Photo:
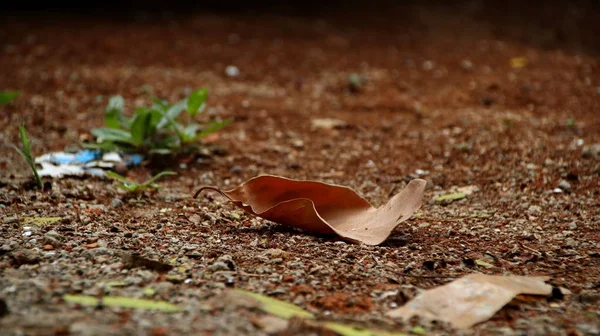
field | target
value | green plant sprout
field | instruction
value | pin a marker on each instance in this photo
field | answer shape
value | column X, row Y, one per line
column 26, row 154
column 134, row 187
column 154, row 129
column 355, row 82
column 8, row 96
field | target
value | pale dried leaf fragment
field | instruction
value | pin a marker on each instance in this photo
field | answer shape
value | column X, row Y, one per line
column 40, row 221
column 468, row 190
column 349, row 330
column 273, row 306
column 471, row 299
column 272, row 324
column 123, row 302
column 327, row 123
column 449, row 198
column 325, row 208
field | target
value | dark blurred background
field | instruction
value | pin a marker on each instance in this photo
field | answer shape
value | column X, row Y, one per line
column 291, row 7
column 571, row 24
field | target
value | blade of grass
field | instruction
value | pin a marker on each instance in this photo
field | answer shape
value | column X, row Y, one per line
column 196, row 101
column 113, row 117
column 118, row 177
column 8, row 96
column 213, row 127
column 123, row 302
column 140, row 128
column 277, row 307
column 156, row 177
column 174, row 125
column 113, row 135
column 26, row 153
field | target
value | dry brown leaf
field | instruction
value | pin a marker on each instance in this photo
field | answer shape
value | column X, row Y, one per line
column 324, row 208
column 471, row 299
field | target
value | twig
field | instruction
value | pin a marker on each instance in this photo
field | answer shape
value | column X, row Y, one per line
column 529, row 248
column 440, row 276
column 241, row 273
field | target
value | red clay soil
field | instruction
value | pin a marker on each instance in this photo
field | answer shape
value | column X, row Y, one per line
column 501, row 96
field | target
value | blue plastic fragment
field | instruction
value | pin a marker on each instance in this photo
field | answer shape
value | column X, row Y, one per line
column 87, row 155
column 60, row 158
column 86, row 161
column 132, row 159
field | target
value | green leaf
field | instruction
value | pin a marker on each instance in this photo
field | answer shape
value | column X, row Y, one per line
column 25, row 141
column 123, row 302
column 449, row 198
column 161, row 151
column 197, row 101
column 113, row 135
column 149, row 291
column 127, row 184
column 112, row 118
column 346, row 330
column 160, row 104
column 212, row 127
column 112, row 284
column 40, row 221
column 26, row 154
column 418, row 330
column 105, row 146
column 118, row 177
column 114, row 112
column 277, row 307
column 141, row 126
column 167, row 143
column 8, row 96
column 189, row 132
column 156, row 177
column 155, row 117
column 128, row 187
column 171, row 114
column 484, row 264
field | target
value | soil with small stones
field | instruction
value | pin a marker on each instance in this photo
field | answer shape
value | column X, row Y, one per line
column 501, row 96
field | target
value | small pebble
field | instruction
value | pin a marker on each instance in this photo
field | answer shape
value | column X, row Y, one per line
column 53, row 238
column 24, row 257
column 93, row 253
column 428, row 65
column 570, row 242
column 232, row 71
column 564, row 185
column 421, row 172
column 236, row 170
column 466, row 65
column 534, row 209
column 223, row 263
column 11, row 220
column 297, row 143
column 591, row 151
column 121, row 168
column 218, row 266
column 116, row 203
